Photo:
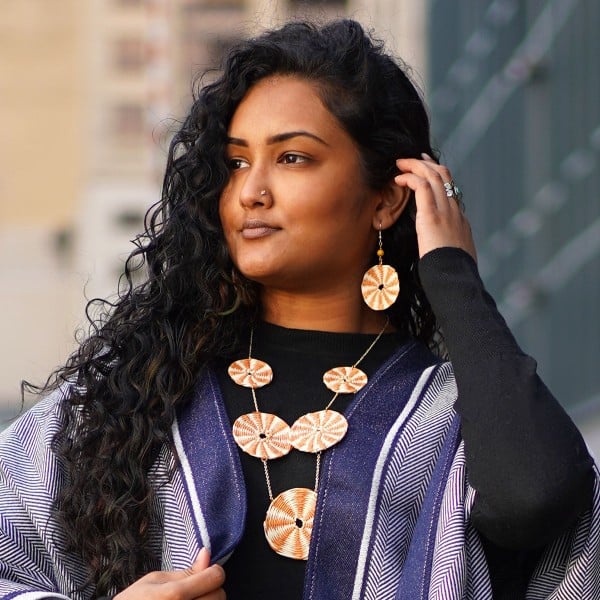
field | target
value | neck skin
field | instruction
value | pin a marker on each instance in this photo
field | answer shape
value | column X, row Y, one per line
column 341, row 311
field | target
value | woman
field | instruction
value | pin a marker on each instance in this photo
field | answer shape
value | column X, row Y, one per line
column 194, row 418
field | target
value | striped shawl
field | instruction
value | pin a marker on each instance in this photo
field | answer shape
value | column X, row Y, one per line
column 393, row 510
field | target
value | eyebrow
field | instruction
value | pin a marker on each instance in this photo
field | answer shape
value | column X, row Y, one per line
column 280, row 137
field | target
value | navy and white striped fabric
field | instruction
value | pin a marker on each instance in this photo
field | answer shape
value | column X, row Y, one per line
column 392, row 519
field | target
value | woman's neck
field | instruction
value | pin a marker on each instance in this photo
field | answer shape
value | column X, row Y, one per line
column 342, row 312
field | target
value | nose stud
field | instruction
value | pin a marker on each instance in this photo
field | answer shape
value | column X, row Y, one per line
column 263, row 192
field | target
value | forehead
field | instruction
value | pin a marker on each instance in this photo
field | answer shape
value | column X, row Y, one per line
column 280, row 103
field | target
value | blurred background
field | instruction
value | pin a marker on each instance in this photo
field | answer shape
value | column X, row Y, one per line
column 91, row 90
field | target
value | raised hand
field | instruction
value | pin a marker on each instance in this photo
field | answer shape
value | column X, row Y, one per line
column 440, row 220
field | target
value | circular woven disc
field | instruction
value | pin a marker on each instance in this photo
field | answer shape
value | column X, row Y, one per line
column 317, row 431
column 345, row 380
column 262, row 435
column 380, row 287
column 250, row 372
column 289, row 521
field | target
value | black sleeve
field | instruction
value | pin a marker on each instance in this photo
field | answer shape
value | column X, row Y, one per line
column 525, row 458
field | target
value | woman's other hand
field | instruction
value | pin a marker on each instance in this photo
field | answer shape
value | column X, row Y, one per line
column 199, row 581
column 440, row 221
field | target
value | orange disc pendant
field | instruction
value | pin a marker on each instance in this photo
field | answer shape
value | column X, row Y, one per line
column 345, row 380
column 262, row 435
column 289, row 521
column 317, row 431
column 250, row 372
column 380, row 287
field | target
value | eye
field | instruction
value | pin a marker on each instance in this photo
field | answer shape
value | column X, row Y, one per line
column 293, row 159
column 236, row 163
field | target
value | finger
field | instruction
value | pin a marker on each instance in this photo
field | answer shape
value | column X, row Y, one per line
column 453, row 196
column 428, row 167
column 441, row 170
column 202, row 560
column 202, row 583
column 216, row 595
column 432, row 173
column 425, row 197
column 425, row 167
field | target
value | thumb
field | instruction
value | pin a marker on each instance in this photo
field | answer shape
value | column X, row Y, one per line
column 202, row 561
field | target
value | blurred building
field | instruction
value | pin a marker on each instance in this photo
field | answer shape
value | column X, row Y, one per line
column 90, row 93
column 41, row 177
column 515, row 100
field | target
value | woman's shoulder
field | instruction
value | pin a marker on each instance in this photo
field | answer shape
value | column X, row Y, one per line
column 40, row 422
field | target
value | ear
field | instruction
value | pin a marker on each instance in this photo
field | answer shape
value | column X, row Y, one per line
column 390, row 203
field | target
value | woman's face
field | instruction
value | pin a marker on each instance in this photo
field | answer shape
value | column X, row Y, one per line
column 296, row 212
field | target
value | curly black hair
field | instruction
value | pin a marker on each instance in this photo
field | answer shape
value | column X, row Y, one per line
column 143, row 355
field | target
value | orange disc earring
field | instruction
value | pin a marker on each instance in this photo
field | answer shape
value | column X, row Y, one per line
column 380, row 285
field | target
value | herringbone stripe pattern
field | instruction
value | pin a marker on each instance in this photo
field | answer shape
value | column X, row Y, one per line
column 33, row 565
column 569, row 569
column 409, row 461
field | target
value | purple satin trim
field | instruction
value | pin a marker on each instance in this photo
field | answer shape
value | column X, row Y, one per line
column 216, row 469
column 347, row 472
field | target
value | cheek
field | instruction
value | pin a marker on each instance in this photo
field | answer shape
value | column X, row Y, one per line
column 225, row 209
column 228, row 221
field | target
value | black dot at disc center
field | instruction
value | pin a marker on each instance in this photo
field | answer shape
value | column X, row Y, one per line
column 299, row 523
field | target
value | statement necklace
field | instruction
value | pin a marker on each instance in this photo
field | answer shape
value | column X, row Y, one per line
column 289, row 518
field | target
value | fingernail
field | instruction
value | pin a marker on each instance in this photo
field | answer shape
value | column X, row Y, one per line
column 426, row 156
column 203, row 552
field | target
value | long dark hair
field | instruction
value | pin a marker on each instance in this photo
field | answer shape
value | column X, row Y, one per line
column 144, row 354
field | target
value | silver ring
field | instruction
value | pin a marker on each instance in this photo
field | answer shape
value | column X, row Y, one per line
column 453, row 191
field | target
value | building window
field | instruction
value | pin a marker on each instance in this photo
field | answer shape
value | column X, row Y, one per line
column 128, row 120
column 129, row 54
column 130, row 3
column 297, row 4
column 130, row 219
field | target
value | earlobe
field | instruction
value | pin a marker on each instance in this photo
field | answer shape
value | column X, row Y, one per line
column 392, row 201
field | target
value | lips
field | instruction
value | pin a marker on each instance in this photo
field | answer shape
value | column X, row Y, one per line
column 253, row 229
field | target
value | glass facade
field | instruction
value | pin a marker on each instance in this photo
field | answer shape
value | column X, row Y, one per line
column 514, row 90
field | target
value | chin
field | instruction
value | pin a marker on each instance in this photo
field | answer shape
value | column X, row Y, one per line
column 257, row 273
column 271, row 279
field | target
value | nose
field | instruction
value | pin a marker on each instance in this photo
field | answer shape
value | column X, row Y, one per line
column 254, row 199
column 255, row 192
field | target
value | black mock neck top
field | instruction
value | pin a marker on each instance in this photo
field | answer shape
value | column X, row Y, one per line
column 519, row 442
